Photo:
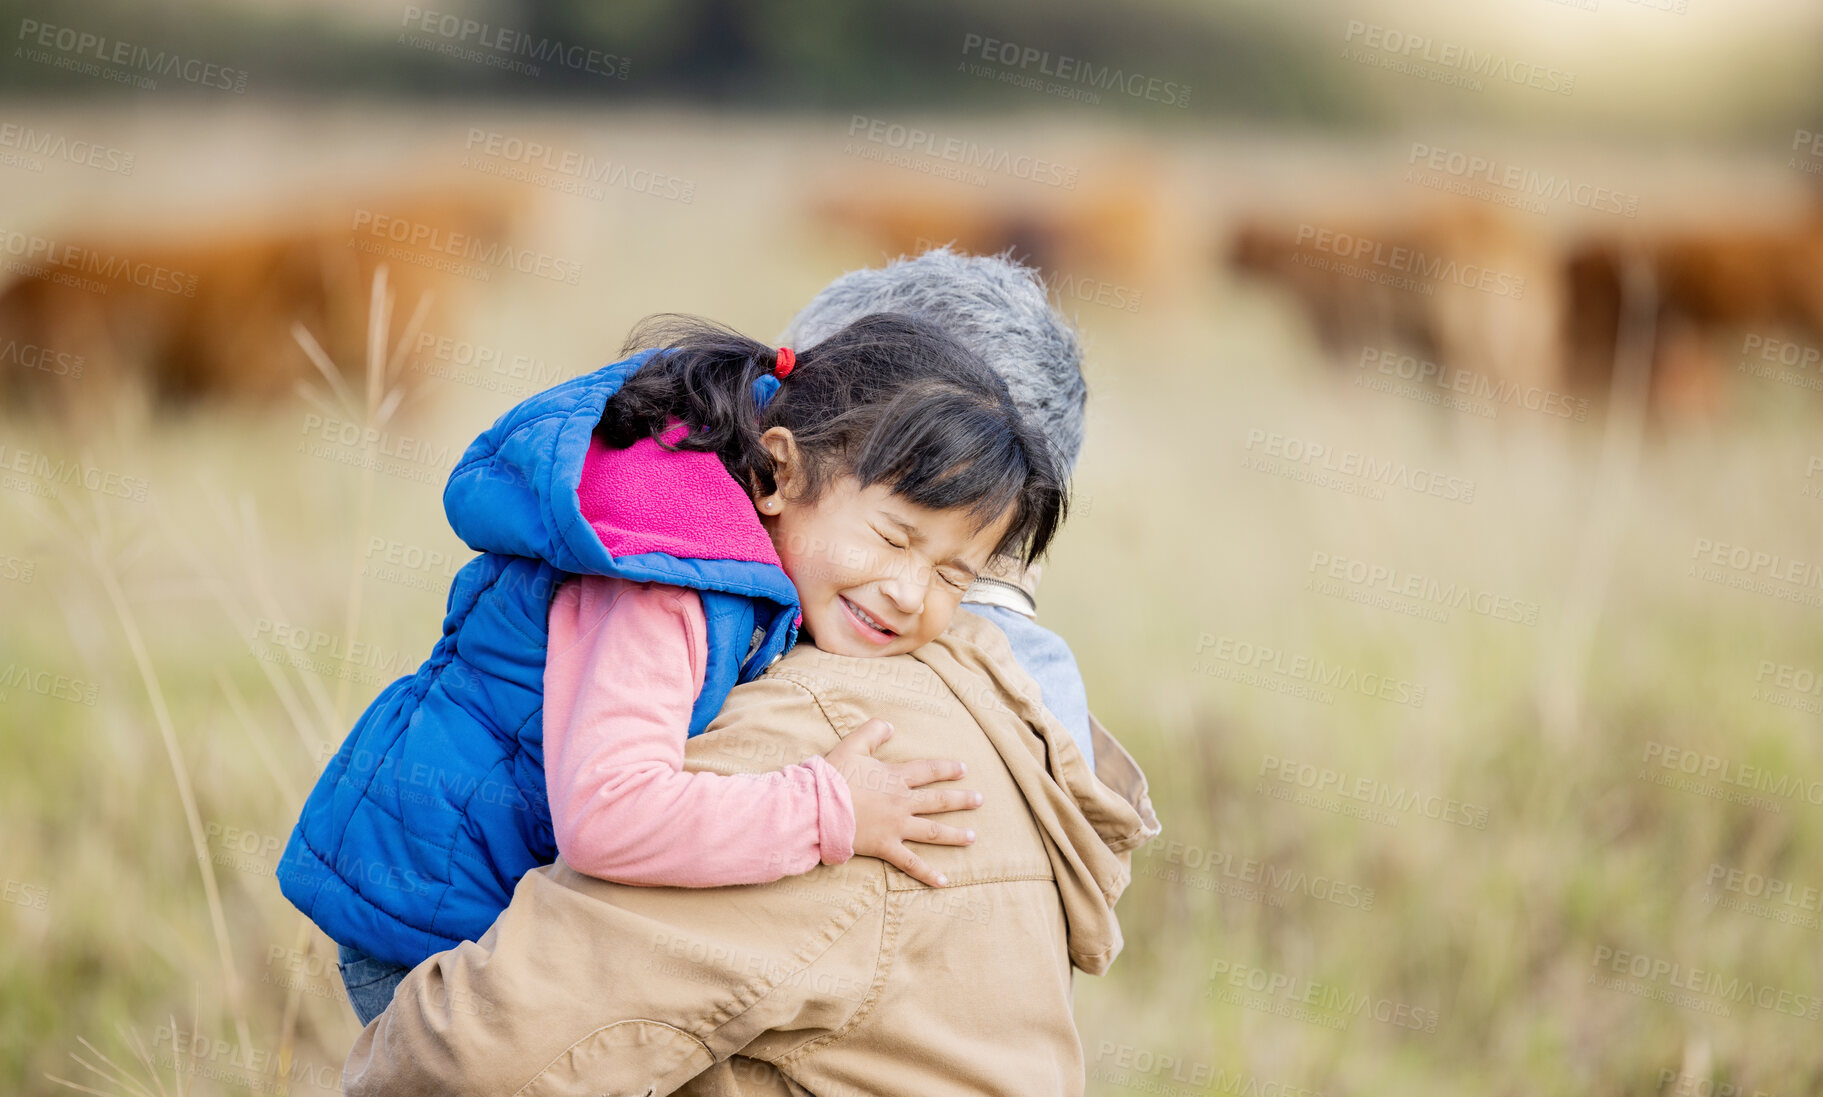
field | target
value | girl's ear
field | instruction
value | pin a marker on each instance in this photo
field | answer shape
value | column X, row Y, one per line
column 787, row 467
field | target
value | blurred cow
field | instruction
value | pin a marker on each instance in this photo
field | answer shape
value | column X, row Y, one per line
column 205, row 311
column 1702, row 290
column 1456, row 285
column 1714, row 292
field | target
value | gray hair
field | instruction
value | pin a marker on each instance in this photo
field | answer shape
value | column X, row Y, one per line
column 995, row 306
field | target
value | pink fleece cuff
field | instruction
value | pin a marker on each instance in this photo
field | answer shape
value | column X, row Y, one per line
column 835, row 812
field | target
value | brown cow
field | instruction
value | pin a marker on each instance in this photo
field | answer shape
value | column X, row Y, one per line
column 1459, row 285
column 208, row 312
column 1369, row 283
column 1712, row 292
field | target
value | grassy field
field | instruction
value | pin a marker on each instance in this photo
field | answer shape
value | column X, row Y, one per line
column 1474, row 862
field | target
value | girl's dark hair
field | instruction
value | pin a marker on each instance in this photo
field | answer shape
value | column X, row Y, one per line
column 890, row 399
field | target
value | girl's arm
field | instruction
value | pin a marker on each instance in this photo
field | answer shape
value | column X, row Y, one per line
column 623, row 670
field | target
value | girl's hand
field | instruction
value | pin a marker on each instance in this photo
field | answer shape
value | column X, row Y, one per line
column 888, row 804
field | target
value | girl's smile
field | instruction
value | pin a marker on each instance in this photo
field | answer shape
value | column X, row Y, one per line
column 876, row 574
column 867, row 625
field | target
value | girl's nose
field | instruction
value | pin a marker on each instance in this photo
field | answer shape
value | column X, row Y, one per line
column 905, row 593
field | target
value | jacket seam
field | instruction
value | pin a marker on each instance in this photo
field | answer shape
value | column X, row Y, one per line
column 1105, row 955
column 429, row 841
column 887, row 919
column 763, row 987
column 559, row 577
column 332, row 876
column 494, row 451
column 432, row 841
column 449, row 861
column 802, row 682
column 548, row 502
column 883, row 964
column 1004, row 878
column 591, row 1034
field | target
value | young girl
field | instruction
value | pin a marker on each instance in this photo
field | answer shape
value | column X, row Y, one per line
column 653, row 533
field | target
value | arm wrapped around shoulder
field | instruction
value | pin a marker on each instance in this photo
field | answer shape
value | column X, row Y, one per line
column 623, row 671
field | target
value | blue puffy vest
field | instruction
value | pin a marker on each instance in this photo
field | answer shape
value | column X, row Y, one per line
column 422, row 824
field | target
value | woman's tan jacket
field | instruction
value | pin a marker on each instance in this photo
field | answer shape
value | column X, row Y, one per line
column 849, row 979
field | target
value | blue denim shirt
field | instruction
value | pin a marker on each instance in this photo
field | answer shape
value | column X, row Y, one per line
column 1043, row 655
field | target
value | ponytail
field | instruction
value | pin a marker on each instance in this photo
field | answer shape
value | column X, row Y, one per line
column 703, row 374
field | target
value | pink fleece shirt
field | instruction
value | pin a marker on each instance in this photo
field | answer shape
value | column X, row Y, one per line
column 623, row 671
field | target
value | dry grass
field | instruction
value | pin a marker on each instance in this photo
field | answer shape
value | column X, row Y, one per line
column 138, row 923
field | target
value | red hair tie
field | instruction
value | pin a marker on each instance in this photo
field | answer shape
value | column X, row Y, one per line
column 783, row 365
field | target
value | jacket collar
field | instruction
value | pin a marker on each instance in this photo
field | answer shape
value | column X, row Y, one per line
column 1093, row 817
column 683, row 503
column 1004, row 582
column 516, row 492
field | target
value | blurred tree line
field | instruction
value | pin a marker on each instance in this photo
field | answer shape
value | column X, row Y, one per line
column 1237, row 61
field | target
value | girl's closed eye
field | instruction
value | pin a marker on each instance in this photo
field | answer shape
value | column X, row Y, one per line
column 955, row 577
